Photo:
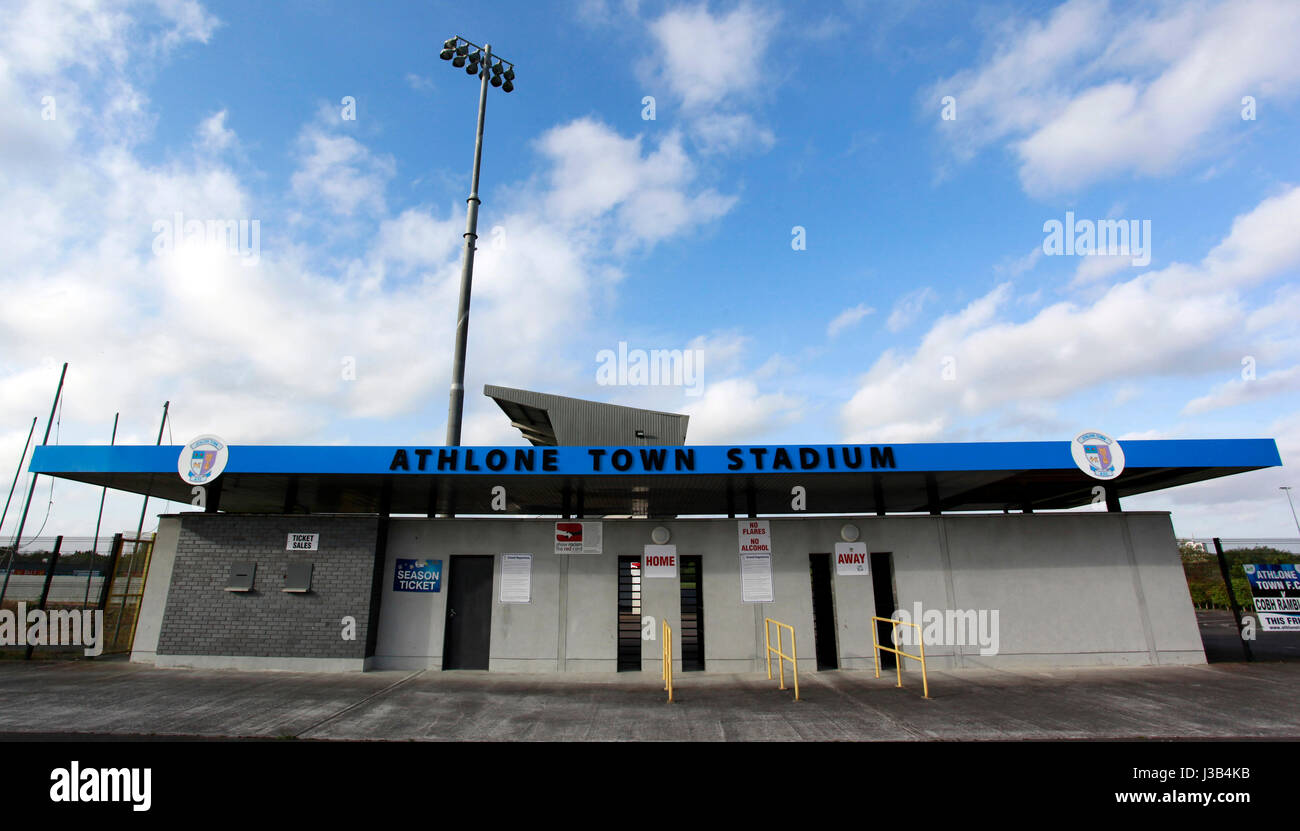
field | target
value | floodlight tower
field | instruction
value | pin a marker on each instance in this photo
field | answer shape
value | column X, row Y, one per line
column 477, row 61
column 1287, row 489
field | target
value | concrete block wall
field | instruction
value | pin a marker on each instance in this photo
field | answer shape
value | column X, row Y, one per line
column 1071, row 589
column 202, row 624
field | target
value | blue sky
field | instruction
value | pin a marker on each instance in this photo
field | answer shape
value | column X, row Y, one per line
column 922, row 307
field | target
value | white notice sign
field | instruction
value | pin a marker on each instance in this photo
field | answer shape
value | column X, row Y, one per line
column 851, row 559
column 302, row 542
column 755, row 536
column 516, row 578
column 660, row 561
column 756, row 578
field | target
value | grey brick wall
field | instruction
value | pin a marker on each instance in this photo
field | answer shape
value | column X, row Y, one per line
column 201, row 618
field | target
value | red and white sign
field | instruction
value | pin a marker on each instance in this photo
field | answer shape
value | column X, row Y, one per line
column 755, row 536
column 660, row 561
column 851, row 559
column 577, row 537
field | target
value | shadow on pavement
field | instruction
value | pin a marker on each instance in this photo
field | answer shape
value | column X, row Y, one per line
column 1222, row 644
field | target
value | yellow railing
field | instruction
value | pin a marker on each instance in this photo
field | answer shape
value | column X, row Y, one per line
column 781, row 656
column 668, row 659
column 898, row 665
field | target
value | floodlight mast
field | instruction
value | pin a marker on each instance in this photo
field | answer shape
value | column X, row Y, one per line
column 480, row 63
column 1287, row 490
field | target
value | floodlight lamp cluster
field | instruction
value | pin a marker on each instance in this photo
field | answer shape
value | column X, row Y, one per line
column 463, row 53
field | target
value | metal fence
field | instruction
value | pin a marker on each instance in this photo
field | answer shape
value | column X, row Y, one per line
column 1220, row 592
column 1206, row 575
column 79, row 573
column 78, row 577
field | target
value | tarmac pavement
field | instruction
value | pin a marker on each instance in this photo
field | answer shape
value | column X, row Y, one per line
column 116, row 699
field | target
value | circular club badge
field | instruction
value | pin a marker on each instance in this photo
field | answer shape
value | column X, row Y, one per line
column 1098, row 455
column 202, row 460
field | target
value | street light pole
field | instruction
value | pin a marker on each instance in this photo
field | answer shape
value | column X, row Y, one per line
column 1287, row 488
column 456, row 405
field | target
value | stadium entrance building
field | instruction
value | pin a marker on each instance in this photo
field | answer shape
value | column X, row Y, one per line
column 566, row 555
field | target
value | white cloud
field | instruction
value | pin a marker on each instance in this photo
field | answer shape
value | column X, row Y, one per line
column 416, row 239
column 1094, row 92
column 214, row 136
column 338, row 173
column 1097, row 267
column 721, row 133
column 595, row 173
column 713, row 64
column 733, row 410
column 1280, row 309
column 259, row 353
column 42, row 37
column 709, row 58
column 1261, row 242
column 1240, row 391
column 419, row 83
column 908, row 308
column 1176, row 321
column 849, row 317
column 720, row 351
column 1016, row 267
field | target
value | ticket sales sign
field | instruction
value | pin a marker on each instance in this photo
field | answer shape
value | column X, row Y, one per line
column 1276, row 591
column 302, row 542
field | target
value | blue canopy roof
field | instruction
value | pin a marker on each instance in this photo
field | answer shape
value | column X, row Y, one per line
column 674, row 480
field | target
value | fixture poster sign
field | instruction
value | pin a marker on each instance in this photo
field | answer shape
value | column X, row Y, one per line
column 1276, row 590
column 577, row 537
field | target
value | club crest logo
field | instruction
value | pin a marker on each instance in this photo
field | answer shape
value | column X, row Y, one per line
column 1098, row 455
column 202, row 460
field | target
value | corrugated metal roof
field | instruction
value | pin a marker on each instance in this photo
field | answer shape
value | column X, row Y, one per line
column 553, row 420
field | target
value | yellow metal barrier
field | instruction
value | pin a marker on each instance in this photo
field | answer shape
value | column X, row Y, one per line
column 781, row 656
column 668, row 659
column 898, row 665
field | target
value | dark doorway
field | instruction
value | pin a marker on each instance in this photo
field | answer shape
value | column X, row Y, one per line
column 882, row 583
column 468, row 631
column 629, row 614
column 692, row 614
column 823, row 604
